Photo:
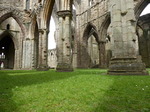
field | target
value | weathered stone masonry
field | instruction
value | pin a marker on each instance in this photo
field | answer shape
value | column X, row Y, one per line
column 99, row 33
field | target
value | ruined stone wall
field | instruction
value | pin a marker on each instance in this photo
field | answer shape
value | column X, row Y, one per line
column 94, row 14
column 92, row 18
column 13, row 14
column 12, row 3
column 15, row 31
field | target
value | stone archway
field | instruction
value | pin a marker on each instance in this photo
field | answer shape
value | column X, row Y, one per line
column 105, row 41
column 44, row 15
column 15, row 14
column 7, row 50
column 89, row 56
column 143, row 33
column 64, row 54
column 140, row 7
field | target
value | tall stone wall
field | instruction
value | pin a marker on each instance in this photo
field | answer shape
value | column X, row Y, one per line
column 111, row 22
column 94, row 14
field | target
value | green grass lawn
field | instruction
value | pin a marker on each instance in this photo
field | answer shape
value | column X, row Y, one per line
column 87, row 90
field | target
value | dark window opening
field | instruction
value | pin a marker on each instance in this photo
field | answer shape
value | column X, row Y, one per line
column 8, row 27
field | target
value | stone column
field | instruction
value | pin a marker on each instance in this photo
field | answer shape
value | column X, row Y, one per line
column 64, row 51
column 43, row 48
column 27, row 62
column 126, row 59
column 16, row 60
column 102, row 54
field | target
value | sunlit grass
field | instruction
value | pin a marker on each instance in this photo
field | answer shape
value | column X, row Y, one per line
column 87, row 90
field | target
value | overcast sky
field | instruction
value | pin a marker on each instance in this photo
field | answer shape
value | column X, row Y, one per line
column 51, row 41
column 146, row 10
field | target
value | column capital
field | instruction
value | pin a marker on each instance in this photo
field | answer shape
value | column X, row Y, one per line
column 64, row 13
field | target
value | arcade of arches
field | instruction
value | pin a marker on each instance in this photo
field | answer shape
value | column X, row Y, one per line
column 89, row 34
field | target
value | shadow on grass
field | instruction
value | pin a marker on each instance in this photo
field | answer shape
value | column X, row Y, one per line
column 126, row 94
column 12, row 79
column 6, row 93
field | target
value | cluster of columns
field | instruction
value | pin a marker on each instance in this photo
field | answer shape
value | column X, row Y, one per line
column 64, row 48
column 126, row 59
column 42, row 51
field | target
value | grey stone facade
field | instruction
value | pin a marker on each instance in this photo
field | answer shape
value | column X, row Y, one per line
column 98, row 33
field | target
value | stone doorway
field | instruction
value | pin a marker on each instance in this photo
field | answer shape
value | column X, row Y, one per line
column 7, row 52
column 90, row 48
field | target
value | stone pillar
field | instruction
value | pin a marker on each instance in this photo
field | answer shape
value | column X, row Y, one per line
column 27, row 59
column 16, row 60
column 64, row 51
column 102, row 55
column 126, row 59
column 43, row 49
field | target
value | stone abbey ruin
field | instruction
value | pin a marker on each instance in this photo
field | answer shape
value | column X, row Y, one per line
column 94, row 34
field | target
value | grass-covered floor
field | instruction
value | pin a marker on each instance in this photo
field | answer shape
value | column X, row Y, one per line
column 78, row 91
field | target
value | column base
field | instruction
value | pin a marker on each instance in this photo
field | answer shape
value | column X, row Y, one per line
column 42, row 68
column 64, row 67
column 127, row 66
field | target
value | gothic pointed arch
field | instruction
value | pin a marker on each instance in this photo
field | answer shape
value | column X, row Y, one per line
column 140, row 7
column 89, row 51
column 8, row 46
column 47, row 11
column 8, row 33
column 34, row 26
column 17, row 18
column 90, row 30
column 104, row 26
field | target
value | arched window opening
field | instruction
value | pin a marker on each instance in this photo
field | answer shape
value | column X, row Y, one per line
column 2, row 56
column 146, row 10
column 8, row 27
column 143, row 28
column 73, row 7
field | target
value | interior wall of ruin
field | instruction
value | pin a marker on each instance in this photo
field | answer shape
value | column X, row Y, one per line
column 90, row 13
column 29, row 21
